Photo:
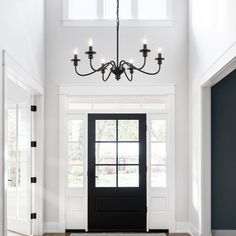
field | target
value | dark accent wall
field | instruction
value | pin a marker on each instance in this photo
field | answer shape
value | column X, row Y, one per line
column 224, row 154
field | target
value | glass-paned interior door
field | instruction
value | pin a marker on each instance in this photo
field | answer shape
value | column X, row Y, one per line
column 18, row 159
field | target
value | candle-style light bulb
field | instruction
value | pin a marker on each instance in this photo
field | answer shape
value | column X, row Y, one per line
column 131, row 61
column 159, row 51
column 76, row 52
column 90, row 42
column 145, row 41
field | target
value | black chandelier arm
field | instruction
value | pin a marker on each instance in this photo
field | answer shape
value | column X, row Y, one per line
column 151, row 73
column 87, row 74
column 130, row 79
column 91, row 66
column 123, row 62
column 105, row 79
column 103, row 67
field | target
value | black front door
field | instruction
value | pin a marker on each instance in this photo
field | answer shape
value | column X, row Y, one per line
column 117, row 172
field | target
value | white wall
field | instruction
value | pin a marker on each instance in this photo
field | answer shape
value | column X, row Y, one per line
column 22, row 36
column 212, row 37
column 59, row 47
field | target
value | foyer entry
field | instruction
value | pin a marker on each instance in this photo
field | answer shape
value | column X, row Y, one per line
column 117, row 172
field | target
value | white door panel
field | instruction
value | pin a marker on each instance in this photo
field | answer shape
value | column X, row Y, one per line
column 19, row 159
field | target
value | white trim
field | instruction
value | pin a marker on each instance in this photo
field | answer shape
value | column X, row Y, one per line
column 75, row 89
column 51, row 227
column 223, row 66
column 223, row 233
column 22, row 77
column 194, row 231
column 62, row 164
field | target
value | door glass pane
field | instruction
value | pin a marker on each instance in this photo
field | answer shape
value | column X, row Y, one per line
column 81, row 9
column 105, row 130
column 75, row 176
column 128, row 153
column 23, row 131
column 158, row 153
column 158, row 130
column 105, row 153
column 158, row 176
column 75, row 154
column 128, row 130
column 12, row 113
column 110, row 9
column 75, row 131
column 128, row 176
column 12, row 174
column 22, row 190
column 106, row 176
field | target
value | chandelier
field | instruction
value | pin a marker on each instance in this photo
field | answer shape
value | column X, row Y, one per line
column 119, row 67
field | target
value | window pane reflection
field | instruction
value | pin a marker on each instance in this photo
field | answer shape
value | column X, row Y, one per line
column 105, row 153
column 128, row 176
column 158, row 176
column 106, row 130
column 128, row 153
column 105, row 176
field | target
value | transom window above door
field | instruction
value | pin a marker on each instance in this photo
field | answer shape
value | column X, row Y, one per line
column 102, row 12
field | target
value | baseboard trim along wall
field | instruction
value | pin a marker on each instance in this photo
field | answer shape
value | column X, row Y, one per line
column 52, row 227
column 55, row 227
column 223, row 232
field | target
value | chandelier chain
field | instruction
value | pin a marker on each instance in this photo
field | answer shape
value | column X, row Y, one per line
column 117, row 30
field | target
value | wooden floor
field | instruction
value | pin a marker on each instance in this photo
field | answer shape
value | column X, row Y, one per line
column 179, row 234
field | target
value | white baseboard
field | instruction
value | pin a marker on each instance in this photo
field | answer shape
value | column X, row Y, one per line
column 52, row 227
column 181, row 227
column 223, row 232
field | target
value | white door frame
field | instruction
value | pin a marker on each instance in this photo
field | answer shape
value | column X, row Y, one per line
column 219, row 71
column 11, row 67
column 75, row 89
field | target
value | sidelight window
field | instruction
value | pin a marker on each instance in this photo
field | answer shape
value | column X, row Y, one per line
column 75, row 153
column 159, row 152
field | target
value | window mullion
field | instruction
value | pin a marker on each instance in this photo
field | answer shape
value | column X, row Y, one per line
column 100, row 14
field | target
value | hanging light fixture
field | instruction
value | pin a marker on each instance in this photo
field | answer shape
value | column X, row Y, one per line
column 119, row 67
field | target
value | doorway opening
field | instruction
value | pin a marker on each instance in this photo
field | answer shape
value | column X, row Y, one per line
column 78, row 140
column 23, row 151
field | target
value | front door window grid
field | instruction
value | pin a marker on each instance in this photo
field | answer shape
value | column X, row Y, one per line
column 117, row 153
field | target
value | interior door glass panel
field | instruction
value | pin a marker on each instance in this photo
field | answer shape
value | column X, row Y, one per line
column 105, row 176
column 105, row 153
column 158, row 130
column 12, row 148
column 128, row 130
column 128, row 176
column 158, row 153
column 128, row 153
column 158, row 176
column 105, row 130
column 12, row 174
